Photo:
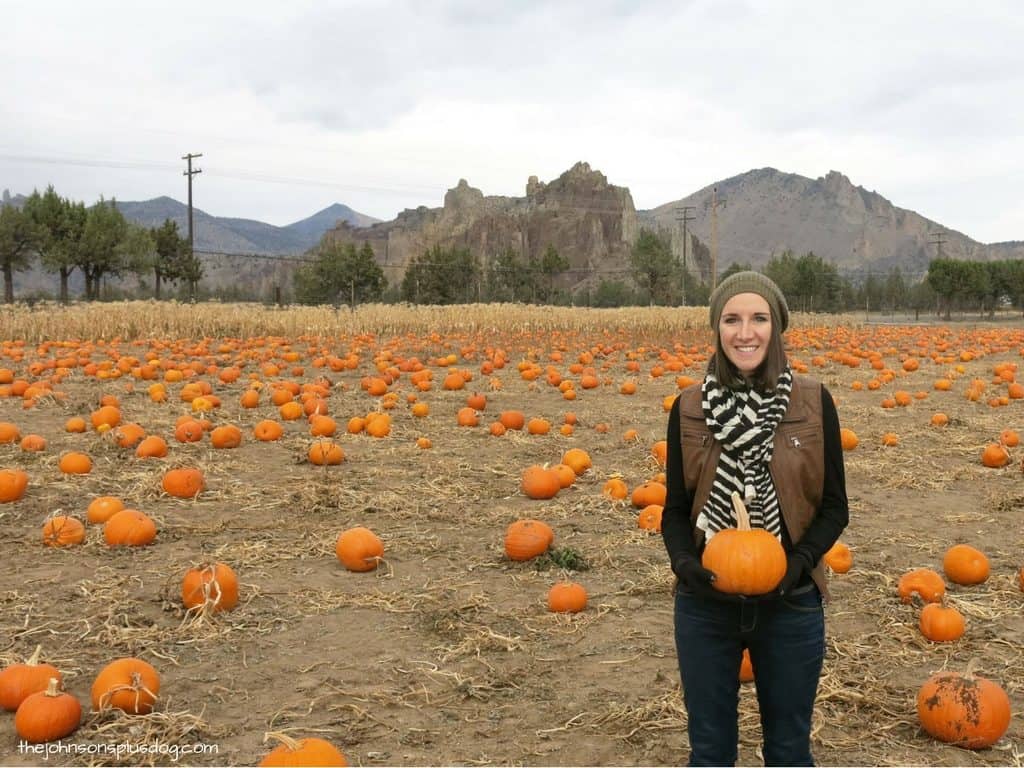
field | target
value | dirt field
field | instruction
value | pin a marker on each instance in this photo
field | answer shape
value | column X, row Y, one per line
column 447, row 655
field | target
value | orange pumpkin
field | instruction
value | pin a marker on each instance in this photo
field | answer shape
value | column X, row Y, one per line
column 965, row 710
column 359, row 549
column 924, row 582
column 649, row 493
column 210, row 586
column 995, row 456
column 578, row 459
column 63, row 531
column 129, row 528
column 226, row 436
column 13, row 483
column 848, row 438
column 526, row 539
column 615, row 488
column 183, row 482
column 325, row 453
column 839, row 558
column 48, row 715
column 128, row 684
column 940, row 623
column 302, row 752
column 567, row 597
column 965, row 565
column 19, row 681
column 540, row 482
column 75, row 463
column 152, row 447
column 102, row 508
column 745, row 561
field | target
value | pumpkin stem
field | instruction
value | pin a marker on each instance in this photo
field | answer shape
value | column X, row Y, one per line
column 33, row 660
column 742, row 518
column 53, row 687
column 283, row 738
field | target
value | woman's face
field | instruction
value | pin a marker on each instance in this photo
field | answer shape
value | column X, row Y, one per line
column 744, row 329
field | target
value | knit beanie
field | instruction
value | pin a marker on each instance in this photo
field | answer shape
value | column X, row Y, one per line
column 749, row 282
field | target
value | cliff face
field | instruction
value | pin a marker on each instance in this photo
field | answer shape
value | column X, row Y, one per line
column 592, row 223
column 765, row 212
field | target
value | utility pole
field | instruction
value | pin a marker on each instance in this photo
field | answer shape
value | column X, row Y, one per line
column 684, row 216
column 191, row 236
column 716, row 201
column 939, row 241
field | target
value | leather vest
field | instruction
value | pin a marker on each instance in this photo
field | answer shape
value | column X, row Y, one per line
column 797, row 467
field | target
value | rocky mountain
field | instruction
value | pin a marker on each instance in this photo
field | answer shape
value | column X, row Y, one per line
column 765, row 211
column 590, row 222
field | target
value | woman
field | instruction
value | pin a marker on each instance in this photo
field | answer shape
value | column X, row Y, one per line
column 755, row 428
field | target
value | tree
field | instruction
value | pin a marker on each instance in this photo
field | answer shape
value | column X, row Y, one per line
column 170, row 251
column 552, row 264
column 441, row 276
column 19, row 237
column 612, row 293
column 340, row 273
column 104, row 232
column 895, row 289
column 655, row 270
column 61, row 224
column 949, row 278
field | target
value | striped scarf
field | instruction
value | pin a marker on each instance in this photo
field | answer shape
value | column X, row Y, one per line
column 743, row 422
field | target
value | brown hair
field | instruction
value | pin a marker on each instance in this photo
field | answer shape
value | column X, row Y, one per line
column 767, row 374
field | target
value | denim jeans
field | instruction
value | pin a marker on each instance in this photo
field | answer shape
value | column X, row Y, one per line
column 786, row 638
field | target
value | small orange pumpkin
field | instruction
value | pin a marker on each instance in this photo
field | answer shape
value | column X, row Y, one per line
column 527, row 538
column 129, row 528
column 102, row 508
column 941, row 623
column 19, row 681
column 63, row 531
column 48, row 715
column 13, row 483
column 578, row 459
column 965, row 710
column 210, row 586
column 649, row 493
column 649, row 518
column 745, row 561
column 924, row 582
column 302, row 752
column 567, row 597
column 359, row 549
column 129, row 684
column 839, row 558
column 540, row 482
column 75, row 463
column 183, row 482
column 325, row 453
column 963, row 564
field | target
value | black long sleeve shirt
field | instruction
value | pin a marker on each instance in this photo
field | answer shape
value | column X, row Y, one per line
column 832, row 516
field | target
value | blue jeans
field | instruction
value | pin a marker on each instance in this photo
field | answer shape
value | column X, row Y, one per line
column 786, row 638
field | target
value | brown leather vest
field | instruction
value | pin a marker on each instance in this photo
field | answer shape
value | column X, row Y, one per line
column 797, row 466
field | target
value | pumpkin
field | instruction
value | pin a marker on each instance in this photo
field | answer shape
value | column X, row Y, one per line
column 1009, row 438
column 745, row 561
column 129, row 684
column 210, row 586
column 538, row 426
column 75, row 463
column 848, row 438
column 322, row 426
column 965, row 565
column 660, row 452
column 839, row 558
column 941, row 624
column 540, row 482
column 467, row 417
column 378, row 425
column 183, row 482
column 19, row 681
column 649, row 493
column 189, row 431
column 565, row 474
column 527, row 538
column 939, row 419
column 302, row 752
column 48, row 715
column 267, row 430
column 129, row 528
column 359, row 549
column 226, row 436
column 512, row 419
column 890, row 439
column 477, row 401
column 567, row 597
column 325, row 453
column 995, row 456
column 153, row 446
column 13, row 483
column 615, row 488
column 924, row 582
column 965, row 710
column 578, row 459
column 33, row 443
column 9, row 433
column 746, row 667
column 63, row 531
column 649, row 518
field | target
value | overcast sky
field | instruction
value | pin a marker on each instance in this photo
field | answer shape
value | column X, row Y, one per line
column 385, row 105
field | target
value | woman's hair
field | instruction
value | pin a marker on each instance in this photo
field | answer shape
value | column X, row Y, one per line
column 767, row 374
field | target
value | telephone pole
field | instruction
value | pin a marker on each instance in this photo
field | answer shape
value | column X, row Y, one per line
column 938, row 241
column 684, row 216
column 716, row 201
column 191, row 237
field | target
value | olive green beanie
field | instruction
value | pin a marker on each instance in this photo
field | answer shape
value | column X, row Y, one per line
column 749, row 282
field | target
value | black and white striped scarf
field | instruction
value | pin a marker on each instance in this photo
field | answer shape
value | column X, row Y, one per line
column 743, row 422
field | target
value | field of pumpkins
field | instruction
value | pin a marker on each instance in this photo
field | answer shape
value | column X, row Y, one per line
column 433, row 538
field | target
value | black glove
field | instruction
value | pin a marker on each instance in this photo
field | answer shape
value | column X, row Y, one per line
column 797, row 564
column 693, row 577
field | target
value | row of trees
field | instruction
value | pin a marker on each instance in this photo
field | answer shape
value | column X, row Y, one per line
column 62, row 235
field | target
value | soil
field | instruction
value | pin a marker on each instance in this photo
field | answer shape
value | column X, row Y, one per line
column 446, row 654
